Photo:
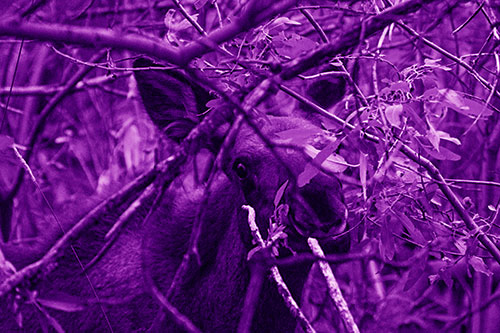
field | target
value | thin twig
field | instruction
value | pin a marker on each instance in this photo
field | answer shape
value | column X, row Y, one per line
column 53, row 89
column 451, row 56
column 282, row 287
column 45, row 113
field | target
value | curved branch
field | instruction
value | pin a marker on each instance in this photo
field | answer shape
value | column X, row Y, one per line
column 253, row 16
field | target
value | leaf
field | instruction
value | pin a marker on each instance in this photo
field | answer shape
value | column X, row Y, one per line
column 362, row 172
column 310, row 169
column 446, row 136
column 198, row 4
column 434, row 63
column 431, row 94
column 6, row 267
column 419, row 124
column 433, row 136
column 393, row 113
column 63, row 302
column 477, row 108
column 280, row 24
column 176, row 24
column 298, row 136
column 292, row 45
column 401, row 85
column 386, row 244
column 460, row 244
column 280, row 217
column 215, row 103
column 252, row 252
column 279, row 193
column 415, row 233
column 416, row 271
column 333, row 163
column 444, row 154
column 453, row 100
column 445, row 275
column 461, row 103
column 46, row 318
column 479, row 266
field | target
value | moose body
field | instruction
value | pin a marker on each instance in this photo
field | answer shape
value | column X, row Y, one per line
column 213, row 290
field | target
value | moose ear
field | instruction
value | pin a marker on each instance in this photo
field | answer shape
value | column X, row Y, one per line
column 327, row 92
column 173, row 102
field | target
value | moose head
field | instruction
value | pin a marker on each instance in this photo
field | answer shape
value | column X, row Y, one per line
column 207, row 197
column 251, row 173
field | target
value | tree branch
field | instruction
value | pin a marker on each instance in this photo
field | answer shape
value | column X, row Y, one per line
column 351, row 38
column 254, row 15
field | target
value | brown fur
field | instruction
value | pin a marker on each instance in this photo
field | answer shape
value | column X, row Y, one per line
column 212, row 294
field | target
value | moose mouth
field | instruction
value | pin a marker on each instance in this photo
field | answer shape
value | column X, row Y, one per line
column 312, row 213
column 322, row 224
column 318, row 227
column 331, row 233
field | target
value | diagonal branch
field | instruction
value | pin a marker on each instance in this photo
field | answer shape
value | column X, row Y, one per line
column 44, row 114
column 351, row 38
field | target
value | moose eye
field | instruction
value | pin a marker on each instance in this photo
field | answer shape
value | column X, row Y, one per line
column 240, row 169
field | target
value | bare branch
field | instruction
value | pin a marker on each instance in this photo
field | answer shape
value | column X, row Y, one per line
column 253, row 16
column 333, row 288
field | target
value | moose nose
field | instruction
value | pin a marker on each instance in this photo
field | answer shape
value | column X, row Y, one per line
column 328, row 208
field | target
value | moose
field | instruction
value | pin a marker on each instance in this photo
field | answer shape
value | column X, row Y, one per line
column 149, row 252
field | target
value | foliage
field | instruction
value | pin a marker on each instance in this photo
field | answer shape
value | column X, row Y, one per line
column 426, row 82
